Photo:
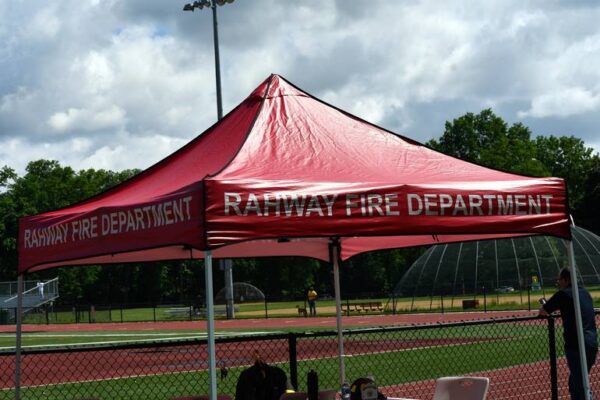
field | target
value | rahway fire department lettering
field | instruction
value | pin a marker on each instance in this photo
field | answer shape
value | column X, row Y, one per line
column 385, row 204
column 279, row 204
column 111, row 223
column 475, row 204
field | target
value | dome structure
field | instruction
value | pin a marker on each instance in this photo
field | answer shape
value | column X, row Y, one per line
column 501, row 265
column 242, row 293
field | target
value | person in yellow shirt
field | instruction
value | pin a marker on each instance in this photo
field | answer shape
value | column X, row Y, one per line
column 312, row 301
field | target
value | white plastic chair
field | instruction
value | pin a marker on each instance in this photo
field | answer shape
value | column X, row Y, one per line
column 328, row 394
column 461, row 388
column 203, row 397
column 294, row 396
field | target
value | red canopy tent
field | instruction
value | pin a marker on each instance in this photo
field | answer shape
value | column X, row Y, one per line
column 287, row 174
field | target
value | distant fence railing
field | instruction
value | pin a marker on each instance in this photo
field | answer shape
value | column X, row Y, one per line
column 9, row 288
column 352, row 304
column 523, row 357
column 34, row 296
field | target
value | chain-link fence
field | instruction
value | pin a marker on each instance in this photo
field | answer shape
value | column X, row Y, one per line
column 352, row 304
column 517, row 355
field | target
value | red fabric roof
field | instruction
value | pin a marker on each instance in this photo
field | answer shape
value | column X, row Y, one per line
column 290, row 171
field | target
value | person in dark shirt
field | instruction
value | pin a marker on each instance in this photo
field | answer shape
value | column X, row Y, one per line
column 563, row 301
column 261, row 382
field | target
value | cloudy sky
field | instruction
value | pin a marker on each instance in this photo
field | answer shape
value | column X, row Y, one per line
column 122, row 83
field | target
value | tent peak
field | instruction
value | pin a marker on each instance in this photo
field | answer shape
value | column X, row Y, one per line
column 276, row 86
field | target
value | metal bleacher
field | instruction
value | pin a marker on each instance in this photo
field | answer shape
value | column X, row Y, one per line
column 35, row 295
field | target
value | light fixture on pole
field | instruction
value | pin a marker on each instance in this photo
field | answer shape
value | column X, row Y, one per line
column 212, row 4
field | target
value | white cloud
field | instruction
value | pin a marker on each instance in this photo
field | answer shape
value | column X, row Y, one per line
column 563, row 103
column 132, row 152
column 98, row 78
column 10, row 102
column 44, row 24
column 87, row 120
column 125, row 152
column 97, row 72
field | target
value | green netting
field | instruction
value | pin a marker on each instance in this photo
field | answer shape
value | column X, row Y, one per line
column 503, row 265
column 242, row 293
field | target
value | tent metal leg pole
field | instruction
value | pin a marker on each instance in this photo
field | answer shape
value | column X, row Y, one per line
column 228, row 275
column 338, row 310
column 19, row 333
column 578, row 320
column 210, row 322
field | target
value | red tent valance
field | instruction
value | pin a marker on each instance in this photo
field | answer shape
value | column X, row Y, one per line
column 290, row 171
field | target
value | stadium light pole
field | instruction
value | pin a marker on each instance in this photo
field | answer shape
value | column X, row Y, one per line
column 225, row 264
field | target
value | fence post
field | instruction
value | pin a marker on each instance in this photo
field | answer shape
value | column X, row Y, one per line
column 442, row 301
column 154, row 312
column 347, row 307
column 293, row 360
column 266, row 309
column 528, row 298
column 552, row 351
column 484, row 300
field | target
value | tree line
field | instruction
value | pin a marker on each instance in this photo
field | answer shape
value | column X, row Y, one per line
column 483, row 138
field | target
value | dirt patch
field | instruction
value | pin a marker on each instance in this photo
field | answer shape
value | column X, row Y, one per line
column 404, row 305
column 285, row 311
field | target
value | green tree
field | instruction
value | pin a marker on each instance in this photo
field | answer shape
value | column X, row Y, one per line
column 588, row 212
column 47, row 186
column 568, row 157
column 8, row 216
column 487, row 140
column 377, row 272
